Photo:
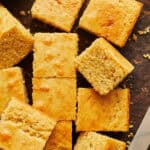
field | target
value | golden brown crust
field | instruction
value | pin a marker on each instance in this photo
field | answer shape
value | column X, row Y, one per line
column 111, row 19
column 103, row 113
column 61, row 137
column 54, row 54
column 58, row 97
column 15, row 41
column 93, row 140
column 12, row 84
column 103, row 66
column 58, row 13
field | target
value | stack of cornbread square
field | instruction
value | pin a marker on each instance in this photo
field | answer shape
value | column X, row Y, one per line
column 57, row 101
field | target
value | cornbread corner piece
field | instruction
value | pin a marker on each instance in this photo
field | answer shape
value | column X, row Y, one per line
column 111, row 19
column 54, row 54
column 12, row 84
column 93, row 140
column 11, row 137
column 103, row 113
column 26, row 127
column 55, row 96
column 58, row 13
column 61, row 137
column 15, row 41
column 103, row 66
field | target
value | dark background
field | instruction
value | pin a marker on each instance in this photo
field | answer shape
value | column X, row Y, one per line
column 138, row 81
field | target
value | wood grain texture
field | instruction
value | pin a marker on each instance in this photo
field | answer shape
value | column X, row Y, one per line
column 138, row 81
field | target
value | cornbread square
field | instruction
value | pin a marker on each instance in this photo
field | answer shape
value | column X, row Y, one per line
column 12, row 84
column 58, row 13
column 111, row 19
column 11, row 137
column 55, row 96
column 103, row 66
column 103, row 113
column 26, row 128
column 54, row 54
column 61, row 137
column 15, row 41
column 95, row 141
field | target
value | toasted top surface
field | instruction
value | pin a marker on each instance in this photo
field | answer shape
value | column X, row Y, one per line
column 61, row 137
column 11, row 85
column 111, row 110
column 12, row 137
column 8, row 21
column 54, row 54
column 60, row 13
column 27, row 119
column 59, row 97
column 92, row 140
column 112, row 19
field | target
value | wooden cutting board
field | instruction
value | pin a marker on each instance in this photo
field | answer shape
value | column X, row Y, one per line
column 138, row 81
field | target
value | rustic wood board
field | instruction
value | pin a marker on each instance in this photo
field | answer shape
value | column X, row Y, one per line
column 138, row 81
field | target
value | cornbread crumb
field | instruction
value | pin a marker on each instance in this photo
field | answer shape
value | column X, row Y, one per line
column 54, row 54
column 29, row 125
column 111, row 19
column 146, row 56
column 103, row 113
column 103, row 66
column 145, row 31
column 15, row 41
column 58, row 13
column 22, row 12
column 55, row 96
column 61, row 137
column 131, row 126
column 95, row 141
column 12, row 84
column 134, row 37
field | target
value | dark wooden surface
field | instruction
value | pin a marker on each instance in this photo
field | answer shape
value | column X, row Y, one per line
column 138, row 81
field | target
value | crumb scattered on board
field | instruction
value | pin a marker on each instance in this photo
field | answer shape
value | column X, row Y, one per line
column 131, row 126
column 24, row 13
column 147, row 56
column 145, row 31
column 134, row 37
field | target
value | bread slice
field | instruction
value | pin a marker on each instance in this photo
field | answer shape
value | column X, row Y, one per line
column 103, row 66
column 54, row 54
column 21, row 125
column 111, row 19
column 55, row 96
column 15, row 41
column 58, row 13
column 61, row 137
column 12, row 84
column 95, row 141
column 103, row 113
column 12, row 138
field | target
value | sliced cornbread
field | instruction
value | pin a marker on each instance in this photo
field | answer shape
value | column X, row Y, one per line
column 12, row 138
column 111, row 19
column 24, row 125
column 61, row 137
column 103, row 66
column 54, row 54
column 95, row 141
column 15, row 41
column 11, row 85
column 55, row 97
column 58, row 13
column 103, row 113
